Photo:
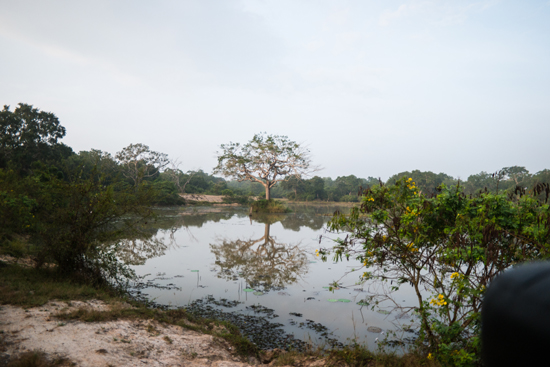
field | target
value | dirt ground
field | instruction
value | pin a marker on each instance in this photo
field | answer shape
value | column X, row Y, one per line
column 114, row 343
column 117, row 343
column 205, row 198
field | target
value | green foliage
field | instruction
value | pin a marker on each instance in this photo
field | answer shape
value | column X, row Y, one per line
column 29, row 287
column 70, row 219
column 427, row 182
column 448, row 247
column 269, row 206
column 28, row 135
column 505, row 180
column 16, row 206
column 79, row 221
column 305, row 190
column 228, row 192
column 166, row 193
column 346, row 188
column 237, row 199
column 349, row 198
column 95, row 162
column 202, row 183
column 353, row 355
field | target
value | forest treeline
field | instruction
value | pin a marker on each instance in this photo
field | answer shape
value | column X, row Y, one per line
column 30, row 145
column 346, row 188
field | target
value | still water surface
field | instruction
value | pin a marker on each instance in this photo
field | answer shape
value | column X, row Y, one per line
column 267, row 260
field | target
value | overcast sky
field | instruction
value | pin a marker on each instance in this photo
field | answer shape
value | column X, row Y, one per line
column 373, row 88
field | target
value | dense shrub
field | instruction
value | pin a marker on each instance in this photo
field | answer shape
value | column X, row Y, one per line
column 448, row 247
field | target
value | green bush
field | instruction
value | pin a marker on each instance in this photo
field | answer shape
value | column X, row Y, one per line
column 228, row 192
column 237, row 199
column 350, row 198
column 269, row 206
column 448, row 247
column 79, row 221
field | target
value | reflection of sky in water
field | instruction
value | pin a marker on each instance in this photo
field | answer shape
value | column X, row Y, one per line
column 197, row 241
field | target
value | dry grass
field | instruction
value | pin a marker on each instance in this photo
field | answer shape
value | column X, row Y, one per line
column 38, row 359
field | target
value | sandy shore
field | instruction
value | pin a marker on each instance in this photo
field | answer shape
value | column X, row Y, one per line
column 204, row 198
column 113, row 343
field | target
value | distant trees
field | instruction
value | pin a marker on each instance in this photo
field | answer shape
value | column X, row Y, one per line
column 266, row 159
column 506, row 179
column 344, row 188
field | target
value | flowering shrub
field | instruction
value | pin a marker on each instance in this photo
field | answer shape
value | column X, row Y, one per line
column 448, row 247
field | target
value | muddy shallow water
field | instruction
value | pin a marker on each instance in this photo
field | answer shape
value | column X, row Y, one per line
column 248, row 264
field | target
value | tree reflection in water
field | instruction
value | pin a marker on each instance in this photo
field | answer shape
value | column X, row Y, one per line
column 264, row 263
column 149, row 243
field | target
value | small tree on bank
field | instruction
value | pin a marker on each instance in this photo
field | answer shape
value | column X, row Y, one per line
column 266, row 159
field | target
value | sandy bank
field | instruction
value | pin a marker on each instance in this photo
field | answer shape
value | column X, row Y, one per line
column 113, row 343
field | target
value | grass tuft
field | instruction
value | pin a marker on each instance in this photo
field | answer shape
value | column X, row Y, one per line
column 29, row 287
column 269, row 206
column 38, row 359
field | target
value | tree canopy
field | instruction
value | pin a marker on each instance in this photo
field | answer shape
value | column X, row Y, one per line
column 27, row 135
column 140, row 162
column 267, row 159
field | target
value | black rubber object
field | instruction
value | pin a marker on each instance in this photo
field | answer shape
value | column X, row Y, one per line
column 515, row 318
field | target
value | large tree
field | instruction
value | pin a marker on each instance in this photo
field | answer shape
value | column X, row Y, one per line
column 266, row 159
column 139, row 162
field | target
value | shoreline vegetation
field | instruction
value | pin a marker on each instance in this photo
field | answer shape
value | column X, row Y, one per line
column 268, row 206
column 257, row 205
column 52, row 303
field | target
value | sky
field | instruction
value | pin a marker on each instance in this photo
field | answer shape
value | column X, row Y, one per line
column 372, row 88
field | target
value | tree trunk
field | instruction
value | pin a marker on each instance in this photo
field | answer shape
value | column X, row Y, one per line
column 266, row 234
column 267, row 192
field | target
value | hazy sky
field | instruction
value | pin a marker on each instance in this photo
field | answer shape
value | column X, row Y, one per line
column 372, row 87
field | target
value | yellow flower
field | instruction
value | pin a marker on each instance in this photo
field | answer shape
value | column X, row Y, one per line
column 411, row 248
column 430, row 356
column 371, row 199
column 455, row 275
column 316, row 252
column 439, row 301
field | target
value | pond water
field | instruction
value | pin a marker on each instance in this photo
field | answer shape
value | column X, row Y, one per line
column 220, row 253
